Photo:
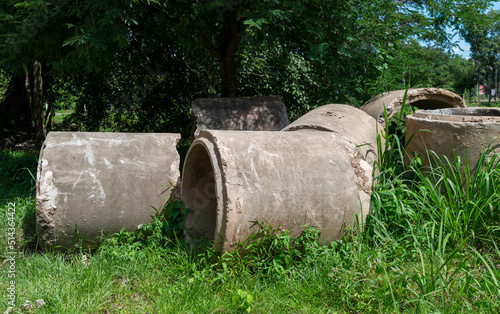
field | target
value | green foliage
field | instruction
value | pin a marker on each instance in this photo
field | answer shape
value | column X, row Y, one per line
column 4, row 81
column 391, row 144
column 274, row 251
column 482, row 32
column 65, row 95
column 164, row 230
column 310, row 53
column 464, row 201
column 242, row 301
column 17, row 173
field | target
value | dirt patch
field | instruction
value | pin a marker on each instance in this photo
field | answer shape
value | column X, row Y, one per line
column 18, row 141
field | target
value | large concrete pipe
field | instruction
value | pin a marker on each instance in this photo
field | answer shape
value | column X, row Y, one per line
column 231, row 178
column 93, row 182
column 239, row 113
column 356, row 125
column 422, row 98
column 463, row 133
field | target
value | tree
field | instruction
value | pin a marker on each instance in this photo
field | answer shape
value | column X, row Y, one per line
column 337, row 48
column 427, row 67
column 38, row 37
column 482, row 32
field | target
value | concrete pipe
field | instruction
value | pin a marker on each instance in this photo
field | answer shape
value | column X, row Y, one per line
column 422, row 98
column 231, row 178
column 93, row 182
column 356, row 125
column 244, row 113
column 453, row 132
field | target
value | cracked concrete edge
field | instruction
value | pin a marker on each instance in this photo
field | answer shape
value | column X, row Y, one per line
column 229, row 206
column 364, row 178
column 45, row 206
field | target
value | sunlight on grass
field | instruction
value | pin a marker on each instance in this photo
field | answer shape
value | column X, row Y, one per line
column 430, row 245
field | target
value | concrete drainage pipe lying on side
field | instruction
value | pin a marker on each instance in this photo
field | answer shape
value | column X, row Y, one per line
column 356, row 125
column 422, row 98
column 231, row 178
column 464, row 133
column 93, row 182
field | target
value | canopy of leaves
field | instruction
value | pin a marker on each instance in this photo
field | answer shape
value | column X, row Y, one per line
column 139, row 63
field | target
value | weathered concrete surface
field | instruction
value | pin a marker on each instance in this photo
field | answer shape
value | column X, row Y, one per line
column 231, row 178
column 101, row 181
column 422, row 98
column 244, row 113
column 356, row 125
column 453, row 132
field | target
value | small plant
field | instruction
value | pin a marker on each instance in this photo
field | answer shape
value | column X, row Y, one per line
column 242, row 301
column 165, row 229
column 274, row 251
column 390, row 164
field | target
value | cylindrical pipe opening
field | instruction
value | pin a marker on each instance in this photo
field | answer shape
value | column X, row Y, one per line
column 431, row 103
column 464, row 114
column 422, row 98
column 199, row 192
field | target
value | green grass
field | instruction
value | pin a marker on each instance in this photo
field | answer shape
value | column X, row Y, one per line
column 431, row 244
column 59, row 116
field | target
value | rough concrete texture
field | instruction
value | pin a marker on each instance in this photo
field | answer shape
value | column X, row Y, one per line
column 453, row 132
column 356, row 125
column 101, row 181
column 245, row 113
column 422, row 98
column 231, row 178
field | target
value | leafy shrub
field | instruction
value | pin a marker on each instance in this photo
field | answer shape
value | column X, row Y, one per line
column 274, row 251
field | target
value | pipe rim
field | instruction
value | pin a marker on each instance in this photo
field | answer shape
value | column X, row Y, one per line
column 217, row 233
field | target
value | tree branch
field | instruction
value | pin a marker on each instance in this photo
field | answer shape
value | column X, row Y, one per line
column 214, row 51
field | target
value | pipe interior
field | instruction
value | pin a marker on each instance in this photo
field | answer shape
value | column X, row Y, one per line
column 198, row 190
column 431, row 104
column 471, row 112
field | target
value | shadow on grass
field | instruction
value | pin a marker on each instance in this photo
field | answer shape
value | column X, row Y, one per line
column 17, row 186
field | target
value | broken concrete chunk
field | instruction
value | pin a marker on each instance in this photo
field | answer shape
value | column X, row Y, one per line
column 239, row 113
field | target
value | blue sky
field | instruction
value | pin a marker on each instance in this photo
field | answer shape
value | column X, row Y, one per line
column 463, row 45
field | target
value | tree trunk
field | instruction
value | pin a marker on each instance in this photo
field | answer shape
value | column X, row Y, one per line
column 496, row 82
column 228, row 76
column 225, row 53
column 34, row 88
column 15, row 112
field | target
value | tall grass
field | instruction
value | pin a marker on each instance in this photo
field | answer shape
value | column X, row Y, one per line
column 444, row 219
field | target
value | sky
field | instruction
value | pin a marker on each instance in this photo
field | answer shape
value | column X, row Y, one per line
column 465, row 46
